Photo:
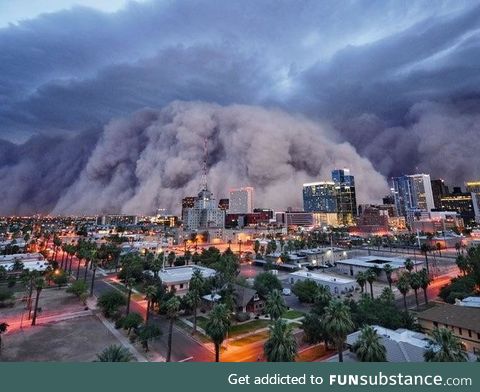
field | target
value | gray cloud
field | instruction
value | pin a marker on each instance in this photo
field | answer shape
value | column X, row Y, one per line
column 393, row 82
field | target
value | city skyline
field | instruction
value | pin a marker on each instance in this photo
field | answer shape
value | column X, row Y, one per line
column 105, row 108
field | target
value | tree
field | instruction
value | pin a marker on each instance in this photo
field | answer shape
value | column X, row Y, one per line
column 150, row 293
column 172, row 307
column 171, row 258
column 444, row 346
column 275, row 305
column 424, row 283
column 361, row 280
column 403, row 285
column 425, row 249
column 281, row 345
column 79, row 289
column 39, row 285
column 129, row 283
column 338, row 324
column 217, row 327
column 409, row 265
column 368, row 346
column 371, row 276
column 387, row 268
column 3, row 329
column 110, row 301
column 256, row 246
column 148, row 333
column 266, row 282
column 114, row 353
column 132, row 321
column 415, row 283
column 305, row 290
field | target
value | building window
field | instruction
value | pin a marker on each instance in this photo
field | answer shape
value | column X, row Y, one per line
column 469, row 333
column 435, row 324
column 181, row 286
column 460, row 331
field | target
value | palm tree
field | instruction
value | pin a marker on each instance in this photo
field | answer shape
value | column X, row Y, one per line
column 196, row 285
column 129, row 282
column 39, row 285
column 444, row 346
column 370, row 275
column 368, row 346
column 409, row 265
column 114, row 353
column 150, row 292
column 275, row 305
column 281, row 345
column 172, row 307
column 217, row 327
column 425, row 282
column 415, row 283
column 3, row 329
column 425, row 249
column 403, row 285
column 94, row 266
column 387, row 268
column 361, row 280
column 338, row 323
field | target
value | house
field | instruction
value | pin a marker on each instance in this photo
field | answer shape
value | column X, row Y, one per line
column 248, row 300
column 401, row 345
column 463, row 321
column 336, row 285
column 353, row 266
column 178, row 278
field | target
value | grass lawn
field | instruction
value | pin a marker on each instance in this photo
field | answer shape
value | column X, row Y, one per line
column 249, row 339
column 293, row 314
column 311, row 353
column 200, row 336
column 235, row 329
column 247, row 327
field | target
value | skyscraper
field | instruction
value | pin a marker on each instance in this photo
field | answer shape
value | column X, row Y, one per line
column 241, row 201
column 320, row 197
column 205, row 212
column 413, row 193
column 439, row 189
column 474, row 188
column 346, row 196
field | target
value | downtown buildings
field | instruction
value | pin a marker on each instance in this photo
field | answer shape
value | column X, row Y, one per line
column 332, row 202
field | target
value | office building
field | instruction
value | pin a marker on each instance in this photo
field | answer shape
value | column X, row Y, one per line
column 413, row 195
column 117, row 220
column 346, row 197
column 205, row 213
column 223, row 204
column 439, row 189
column 474, row 188
column 187, row 202
column 462, row 202
column 320, row 197
column 241, row 201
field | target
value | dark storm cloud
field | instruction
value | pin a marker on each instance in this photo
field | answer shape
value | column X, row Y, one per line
column 397, row 81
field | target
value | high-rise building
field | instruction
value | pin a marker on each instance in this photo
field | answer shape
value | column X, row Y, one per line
column 223, row 204
column 187, row 202
column 439, row 189
column 241, row 201
column 474, row 188
column 413, row 193
column 320, row 197
column 346, row 196
column 205, row 213
column 463, row 203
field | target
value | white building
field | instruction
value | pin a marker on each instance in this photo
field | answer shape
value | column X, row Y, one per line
column 178, row 278
column 335, row 284
column 352, row 267
column 241, row 201
column 205, row 213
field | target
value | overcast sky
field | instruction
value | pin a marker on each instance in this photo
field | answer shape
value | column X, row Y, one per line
column 398, row 80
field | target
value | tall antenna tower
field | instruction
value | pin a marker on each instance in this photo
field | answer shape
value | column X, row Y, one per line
column 205, row 156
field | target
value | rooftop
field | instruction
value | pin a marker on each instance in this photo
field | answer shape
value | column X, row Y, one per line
column 323, row 277
column 459, row 316
column 376, row 261
column 183, row 273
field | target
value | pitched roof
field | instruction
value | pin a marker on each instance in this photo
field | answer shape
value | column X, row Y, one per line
column 454, row 315
column 243, row 295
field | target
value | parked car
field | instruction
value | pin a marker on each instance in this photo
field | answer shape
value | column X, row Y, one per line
column 286, row 291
